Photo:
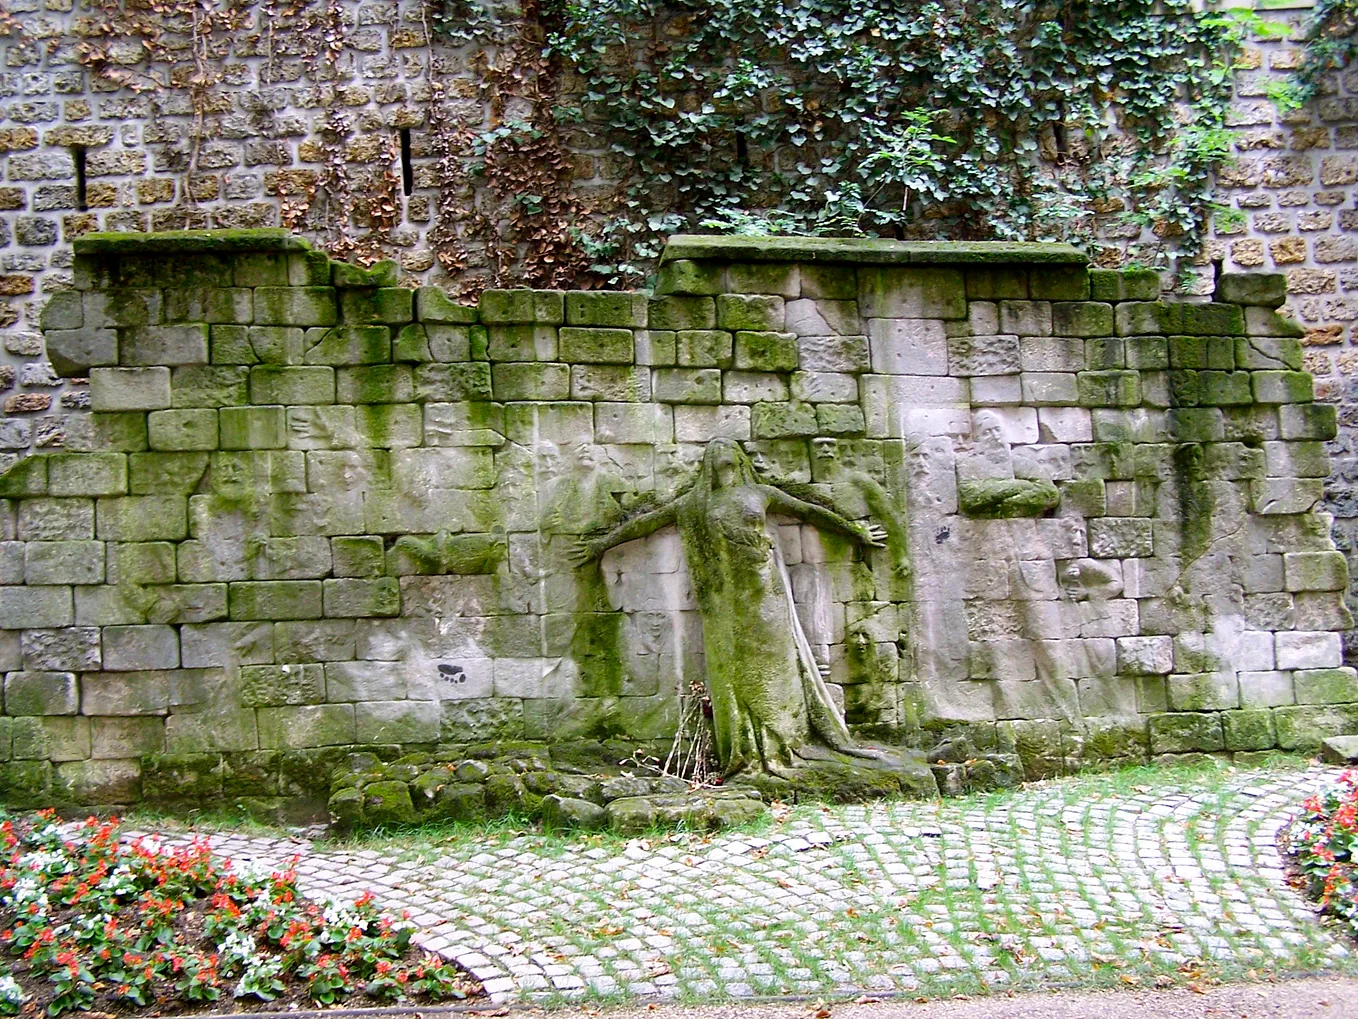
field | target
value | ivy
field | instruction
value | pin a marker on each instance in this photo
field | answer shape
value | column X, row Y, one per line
column 1012, row 119
column 1330, row 42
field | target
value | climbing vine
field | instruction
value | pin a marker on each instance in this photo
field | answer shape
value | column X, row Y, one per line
column 1331, row 40
column 1011, row 119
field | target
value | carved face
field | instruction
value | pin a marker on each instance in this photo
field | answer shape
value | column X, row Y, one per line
column 825, row 450
column 760, row 461
column 726, row 468
column 989, row 429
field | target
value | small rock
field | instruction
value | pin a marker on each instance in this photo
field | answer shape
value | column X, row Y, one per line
column 567, row 812
column 1340, row 750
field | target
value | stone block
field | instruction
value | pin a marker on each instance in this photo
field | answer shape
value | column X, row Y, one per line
column 252, row 428
column 273, row 686
column 1266, row 689
column 763, row 278
column 1281, row 387
column 627, row 423
column 703, row 424
column 531, row 380
column 522, row 306
column 55, row 519
column 141, row 563
column 908, row 347
column 1147, row 352
column 139, row 648
column 67, row 649
column 445, row 383
column 385, row 305
column 125, row 694
column 997, row 283
column 984, row 355
column 64, row 562
column 381, row 274
column 835, row 282
column 602, row 308
column 596, row 345
column 434, row 304
column 1058, row 283
column 1125, row 284
column 73, row 352
column 142, row 518
column 41, row 693
column 396, row 722
column 1050, row 389
column 208, row 386
column 686, row 385
column 113, row 741
column 128, row 389
column 1315, row 571
column 755, row 312
column 1326, row 686
column 1082, row 318
column 1257, row 353
column 1265, row 322
column 1204, row 691
column 55, row 739
column 276, row 599
column 314, row 725
column 1308, row 421
column 292, row 385
column 704, row 348
column 348, row 345
column 86, row 474
column 296, row 306
column 1109, row 388
column 278, row 345
column 1285, row 496
column 1308, row 649
column 164, row 345
column 675, row 313
column 753, row 387
column 377, row 383
column 212, row 305
column 360, row 556
column 683, row 276
column 1264, row 289
column 1304, row 727
column 765, row 351
column 1213, row 319
column 351, row 598
column 1026, row 318
column 1224, row 388
column 1120, row 537
column 1140, row 318
column 825, row 387
column 1186, row 732
column 895, row 292
column 1145, row 655
column 611, row 382
column 783, row 420
column 194, row 429
column 1249, row 730
column 834, row 353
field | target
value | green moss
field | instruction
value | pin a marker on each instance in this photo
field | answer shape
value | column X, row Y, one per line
column 27, row 477
column 864, row 251
column 179, row 242
column 1195, row 498
column 1007, row 497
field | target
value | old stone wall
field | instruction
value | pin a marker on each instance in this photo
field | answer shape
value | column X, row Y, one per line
column 312, row 509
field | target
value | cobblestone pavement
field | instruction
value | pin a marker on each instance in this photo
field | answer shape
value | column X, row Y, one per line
column 1066, row 883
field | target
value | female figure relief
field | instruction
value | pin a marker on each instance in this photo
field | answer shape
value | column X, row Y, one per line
column 771, row 708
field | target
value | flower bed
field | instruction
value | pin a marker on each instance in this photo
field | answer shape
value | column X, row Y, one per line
column 1322, row 842
column 92, row 921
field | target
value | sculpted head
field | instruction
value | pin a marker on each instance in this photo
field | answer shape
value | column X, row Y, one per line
column 726, row 464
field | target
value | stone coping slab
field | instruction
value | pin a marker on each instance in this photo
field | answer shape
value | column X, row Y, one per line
column 868, row 251
column 175, row 242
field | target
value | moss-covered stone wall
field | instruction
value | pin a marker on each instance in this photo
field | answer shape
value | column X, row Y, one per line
column 313, row 510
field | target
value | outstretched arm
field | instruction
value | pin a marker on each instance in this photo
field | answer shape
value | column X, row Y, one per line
column 821, row 517
column 638, row 527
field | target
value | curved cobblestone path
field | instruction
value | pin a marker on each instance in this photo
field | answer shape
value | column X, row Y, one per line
column 1063, row 883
